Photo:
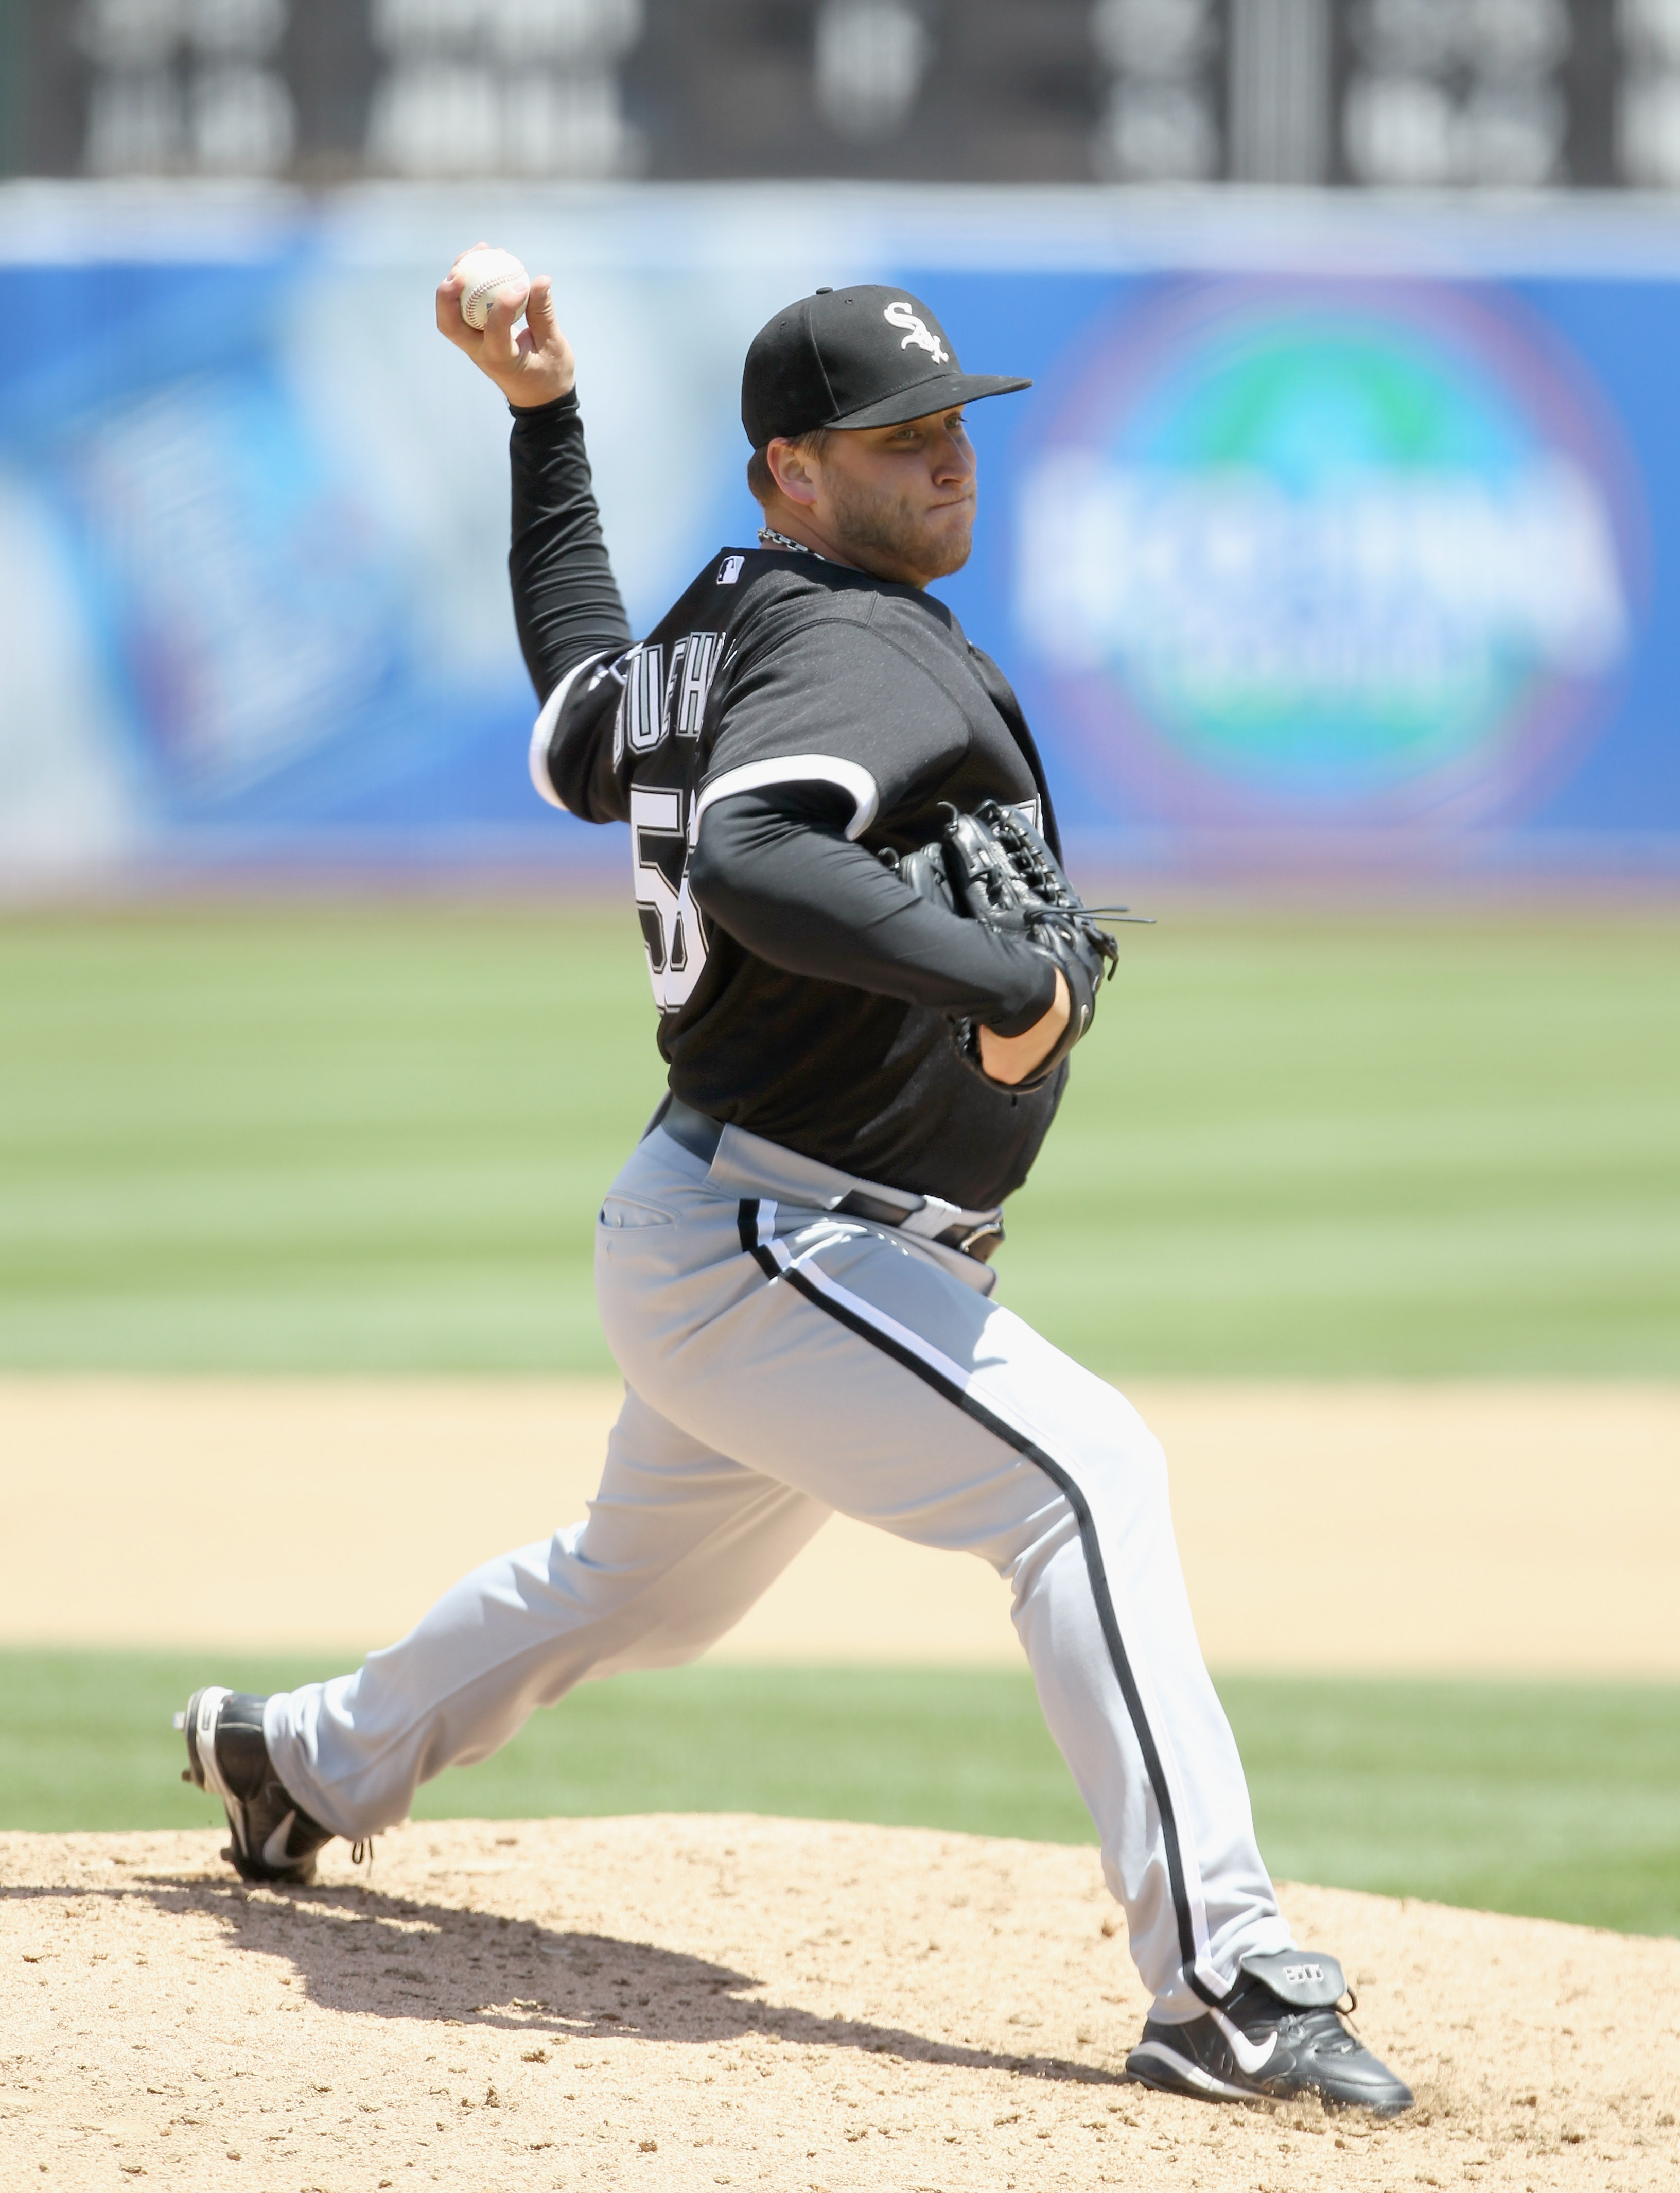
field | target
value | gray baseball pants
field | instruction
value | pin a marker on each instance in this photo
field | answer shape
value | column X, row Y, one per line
column 782, row 1361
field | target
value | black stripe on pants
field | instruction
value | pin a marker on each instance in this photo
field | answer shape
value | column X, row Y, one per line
column 1065, row 1483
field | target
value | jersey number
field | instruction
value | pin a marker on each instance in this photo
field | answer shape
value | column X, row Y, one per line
column 671, row 927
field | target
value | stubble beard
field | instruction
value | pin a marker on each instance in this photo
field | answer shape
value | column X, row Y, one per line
column 892, row 526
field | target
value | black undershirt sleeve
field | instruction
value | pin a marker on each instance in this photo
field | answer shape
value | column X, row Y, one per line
column 566, row 601
column 775, row 869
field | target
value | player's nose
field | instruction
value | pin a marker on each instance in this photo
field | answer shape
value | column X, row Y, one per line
column 953, row 460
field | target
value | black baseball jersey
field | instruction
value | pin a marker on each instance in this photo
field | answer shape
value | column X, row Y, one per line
column 785, row 724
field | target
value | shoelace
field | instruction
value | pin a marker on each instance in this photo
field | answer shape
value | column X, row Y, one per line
column 1321, row 2024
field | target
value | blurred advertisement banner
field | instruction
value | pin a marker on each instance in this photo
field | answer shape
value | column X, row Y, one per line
column 1328, row 534
column 1308, row 557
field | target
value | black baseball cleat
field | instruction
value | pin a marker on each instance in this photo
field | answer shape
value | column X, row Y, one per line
column 1276, row 2035
column 274, row 1839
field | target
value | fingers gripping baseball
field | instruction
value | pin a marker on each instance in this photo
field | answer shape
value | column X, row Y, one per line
column 534, row 366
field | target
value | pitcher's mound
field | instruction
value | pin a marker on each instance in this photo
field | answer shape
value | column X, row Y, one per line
column 699, row 2002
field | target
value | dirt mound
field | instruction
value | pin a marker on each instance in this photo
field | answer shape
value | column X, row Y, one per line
column 677, row 2001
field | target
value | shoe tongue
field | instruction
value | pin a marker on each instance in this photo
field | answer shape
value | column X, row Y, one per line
column 1306, row 1979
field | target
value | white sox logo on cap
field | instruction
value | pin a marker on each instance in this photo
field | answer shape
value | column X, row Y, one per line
column 900, row 314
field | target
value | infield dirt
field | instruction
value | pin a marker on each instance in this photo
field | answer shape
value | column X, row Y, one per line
column 679, row 2001
column 1486, row 1528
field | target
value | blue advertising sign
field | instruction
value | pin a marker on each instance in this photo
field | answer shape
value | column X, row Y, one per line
column 1296, row 556
column 1330, row 567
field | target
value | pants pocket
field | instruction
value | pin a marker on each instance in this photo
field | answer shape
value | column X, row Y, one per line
column 620, row 1212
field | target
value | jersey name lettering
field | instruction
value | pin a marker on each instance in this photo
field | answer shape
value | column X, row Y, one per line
column 671, row 927
column 653, row 705
column 641, row 708
column 693, row 664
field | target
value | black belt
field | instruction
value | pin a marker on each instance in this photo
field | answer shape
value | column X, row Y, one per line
column 699, row 1134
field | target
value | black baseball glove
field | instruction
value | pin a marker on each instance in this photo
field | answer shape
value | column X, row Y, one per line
column 992, row 866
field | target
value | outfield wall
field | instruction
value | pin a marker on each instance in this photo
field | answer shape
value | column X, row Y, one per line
column 1332, row 534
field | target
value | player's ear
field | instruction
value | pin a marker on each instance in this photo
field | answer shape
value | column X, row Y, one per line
column 790, row 467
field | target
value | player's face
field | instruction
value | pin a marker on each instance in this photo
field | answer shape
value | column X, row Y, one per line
column 899, row 499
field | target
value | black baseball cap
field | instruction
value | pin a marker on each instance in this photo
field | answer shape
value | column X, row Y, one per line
column 863, row 357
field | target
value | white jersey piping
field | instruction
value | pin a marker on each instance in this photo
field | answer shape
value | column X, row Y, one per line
column 850, row 777
column 543, row 730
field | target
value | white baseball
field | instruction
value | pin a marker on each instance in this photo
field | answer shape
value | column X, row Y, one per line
column 488, row 274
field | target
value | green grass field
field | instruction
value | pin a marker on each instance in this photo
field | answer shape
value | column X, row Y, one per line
column 1514, row 1797
column 374, row 1136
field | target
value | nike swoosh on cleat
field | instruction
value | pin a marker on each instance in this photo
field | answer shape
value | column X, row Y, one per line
column 275, row 1852
column 1250, row 2056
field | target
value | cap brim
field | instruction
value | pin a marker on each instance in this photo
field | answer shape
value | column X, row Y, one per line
column 939, row 391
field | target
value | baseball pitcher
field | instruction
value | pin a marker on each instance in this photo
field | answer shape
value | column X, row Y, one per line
column 870, row 971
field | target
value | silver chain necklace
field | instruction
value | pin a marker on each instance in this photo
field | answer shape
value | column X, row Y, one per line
column 770, row 538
